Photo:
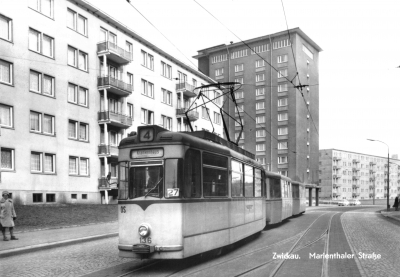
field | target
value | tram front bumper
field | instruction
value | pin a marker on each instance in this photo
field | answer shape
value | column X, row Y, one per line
column 144, row 248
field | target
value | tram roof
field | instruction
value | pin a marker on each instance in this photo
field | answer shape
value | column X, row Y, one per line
column 198, row 139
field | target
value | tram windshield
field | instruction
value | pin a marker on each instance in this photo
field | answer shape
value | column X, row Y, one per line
column 145, row 181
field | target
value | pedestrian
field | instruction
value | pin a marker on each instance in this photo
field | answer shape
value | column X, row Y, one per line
column 396, row 203
column 7, row 215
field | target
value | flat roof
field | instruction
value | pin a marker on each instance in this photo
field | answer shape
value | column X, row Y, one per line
column 381, row 157
column 208, row 51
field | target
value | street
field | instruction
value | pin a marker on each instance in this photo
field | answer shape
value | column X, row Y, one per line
column 358, row 240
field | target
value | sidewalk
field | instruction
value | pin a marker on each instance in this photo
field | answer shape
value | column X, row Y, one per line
column 392, row 214
column 48, row 238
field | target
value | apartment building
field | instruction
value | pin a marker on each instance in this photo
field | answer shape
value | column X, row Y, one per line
column 281, row 122
column 73, row 82
column 350, row 175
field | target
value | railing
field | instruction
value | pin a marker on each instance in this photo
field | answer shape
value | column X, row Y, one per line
column 185, row 86
column 105, row 184
column 110, row 81
column 335, row 158
column 104, row 149
column 193, row 115
column 107, row 115
column 371, row 187
column 110, row 46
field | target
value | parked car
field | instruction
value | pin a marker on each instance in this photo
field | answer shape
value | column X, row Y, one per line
column 343, row 202
column 355, row 202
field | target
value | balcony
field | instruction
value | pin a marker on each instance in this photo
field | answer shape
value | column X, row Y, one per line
column 371, row 187
column 193, row 115
column 356, row 194
column 336, row 185
column 371, row 179
column 108, row 150
column 356, row 177
column 114, row 52
column 113, row 85
column 104, row 184
column 114, row 119
column 372, row 171
column 356, row 169
column 356, row 186
column 336, row 167
column 335, row 158
column 356, row 161
column 371, row 195
column 372, row 163
column 336, row 176
column 186, row 89
column 336, row 194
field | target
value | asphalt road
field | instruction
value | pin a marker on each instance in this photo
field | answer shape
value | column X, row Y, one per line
column 359, row 231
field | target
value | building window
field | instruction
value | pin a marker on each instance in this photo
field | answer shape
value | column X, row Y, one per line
column 260, row 106
column 282, row 87
column 129, row 48
column 130, row 110
column 283, row 58
column 260, row 49
column 166, row 122
column 78, row 166
column 260, row 77
column 239, row 80
column 167, row 97
column 239, row 54
column 237, row 122
column 219, row 72
column 76, row 22
column 194, row 82
column 240, row 108
column 260, row 91
column 7, row 159
column 282, row 73
column 282, row 116
column 147, row 60
column 217, row 97
column 217, row 118
column 260, row 63
column 147, row 88
column 282, row 102
column 74, row 196
column 45, row 7
column 239, row 94
column 205, row 113
column 77, row 58
column 282, row 160
column 77, row 95
column 6, row 72
column 237, row 135
column 50, row 197
column 260, row 119
column 5, row 28
column 41, row 83
column 308, row 52
column 78, row 130
column 43, row 162
column 42, row 123
column 261, row 160
column 282, row 131
column 260, row 133
column 41, row 43
column 37, row 197
column 239, row 67
column 166, row 70
column 283, row 172
column 219, row 58
column 260, row 147
column 283, row 145
column 84, row 196
column 129, row 77
column 147, row 117
column 6, row 116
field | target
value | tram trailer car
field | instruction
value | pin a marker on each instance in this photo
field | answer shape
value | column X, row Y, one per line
column 279, row 201
column 181, row 195
column 299, row 198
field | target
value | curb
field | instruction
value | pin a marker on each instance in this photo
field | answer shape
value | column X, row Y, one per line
column 33, row 248
column 62, row 227
column 385, row 214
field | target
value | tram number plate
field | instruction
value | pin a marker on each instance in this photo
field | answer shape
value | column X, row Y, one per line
column 145, row 240
column 173, row 192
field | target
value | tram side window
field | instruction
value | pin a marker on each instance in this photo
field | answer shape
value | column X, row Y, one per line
column 257, row 183
column 295, row 191
column 173, row 178
column 284, row 188
column 275, row 188
column 192, row 173
column 123, row 180
column 248, row 181
column 237, row 179
column 215, row 173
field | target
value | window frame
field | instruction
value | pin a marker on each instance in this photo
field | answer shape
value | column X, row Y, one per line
column 41, row 78
column 78, row 166
column 217, row 118
column 238, row 67
column 77, row 53
column 283, row 116
column 76, row 28
column 260, row 106
column 147, row 60
column 281, row 131
column 258, row 90
column 283, row 102
column 166, row 97
column 11, row 114
column 258, row 77
column 11, row 73
column 77, row 90
column 12, row 157
column 77, row 127
column 41, row 124
column 166, row 122
column 40, row 38
column 39, row 8
column 166, row 70
column 145, row 119
column 42, row 161
column 10, row 28
column 145, row 85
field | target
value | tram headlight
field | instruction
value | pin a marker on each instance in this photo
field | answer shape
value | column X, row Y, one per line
column 144, row 230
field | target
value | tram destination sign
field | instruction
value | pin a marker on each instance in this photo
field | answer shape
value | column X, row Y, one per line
column 147, row 153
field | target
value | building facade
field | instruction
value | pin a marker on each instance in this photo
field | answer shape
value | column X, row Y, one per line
column 74, row 82
column 280, row 122
column 349, row 175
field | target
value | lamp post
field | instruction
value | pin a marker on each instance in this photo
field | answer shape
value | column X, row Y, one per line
column 388, row 166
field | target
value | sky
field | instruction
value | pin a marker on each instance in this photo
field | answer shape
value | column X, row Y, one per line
column 359, row 80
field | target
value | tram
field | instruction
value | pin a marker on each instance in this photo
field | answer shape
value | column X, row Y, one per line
column 181, row 194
